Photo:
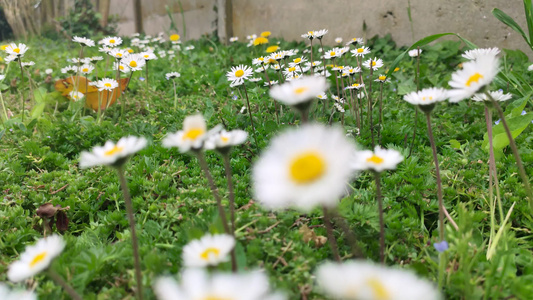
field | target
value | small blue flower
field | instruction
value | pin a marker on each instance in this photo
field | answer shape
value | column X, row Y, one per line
column 235, row 97
column 497, row 122
column 523, row 112
column 394, row 89
column 500, row 90
column 141, row 78
column 441, row 246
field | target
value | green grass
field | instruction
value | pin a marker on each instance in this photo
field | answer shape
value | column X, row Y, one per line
column 173, row 204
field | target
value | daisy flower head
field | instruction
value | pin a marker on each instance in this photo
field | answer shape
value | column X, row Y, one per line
column 210, row 250
column 107, row 84
column 75, row 95
column 233, row 39
column 355, row 41
column 69, row 70
column 382, row 78
column 261, row 69
column 530, row 68
column 193, row 135
column 134, row 61
column 260, row 41
column 475, row 75
column 238, row 74
column 309, row 35
column 258, row 61
column 112, row 154
column 414, row 52
column 355, row 86
column 375, row 63
column 83, row 41
column 104, row 49
column 16, row 50
column 335, row 52
column 255, row 79
column 426, row 98
column 319, row 34
column 118, row 53
column 299, row 92
column 379, row 160
column 7, row 294
column 224, row 140
column 172, row 75
column 338, row 40
column 36, row 258
column 112, row 41
column 2, row 77
column 86, row 69
column 304, row 168
column 272, row 82
column 339, row 107
column 299, row 60
column 496, row 95
column 28, row 64
column 476, row 53
column 48, row 71
column 121, row 66
column 322, row 96
column 199, row 284
column 10, row 58
column 361, row 51
column 361, row 280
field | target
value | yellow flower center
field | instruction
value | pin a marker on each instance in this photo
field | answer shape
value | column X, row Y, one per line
column 111, row 41
column 272, row 49
column 175, row 37
column 119, row 54
column 239, row 73
column 300, row 90
column 375, row 159
column 380, row 292
column 360, row 50
column 373, row 63
column 214, row 297
column 193, row 134
column 430, row 98
column 115, row 150
column 208, row 252
column 121, row 67
column 332, row 53
column 272, row 61
column 16, row 50
column 474, row 78
column 107, row 85
column 133, row 64
column 292, row 69
column 382, row 77
column 307, row 167
column 297, row 60
column 38, row 258
column 130, row 50
column 224, row 139
column 310, row 33
column 85, row 70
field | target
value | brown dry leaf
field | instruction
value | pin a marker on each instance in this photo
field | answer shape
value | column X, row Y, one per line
column 309, row 235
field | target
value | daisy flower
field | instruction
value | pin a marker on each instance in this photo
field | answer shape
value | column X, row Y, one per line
column 376, row 63
column 28, row 64
column 86, row 69
column 255, row 79
column 414, row 52
column 319, row 34
column 355, row 41
column 361, row 51
column 6, row 294
column 382, row 78
column 476, row 53
column 70, row 70
column 96, row 58
column 335, row 52
column 121, row 66
column 426, row 98
column 112, row 41
column 355, row 86
column 258, row 61
column 75, row 95
column 112, row 154
column 193, row 135
column 83, row 41
column 210, row 250
column 199, row 284
column 309, row 35
column 272, row 82
column 361, row 280
column 107, row 84
column 338, row 40
column 475, row 75
column 16, row 50
column 36, row 258
column 378, row 161
column 304, row 168
column 172, row 75
column 299, row 91
column 339, row 107
column 299, row 60
column 233, row 39
column 238, row 74
column 48, row 71
column 224, row 140
column 291, row 71
column 2, row 77
column 530, row 68
column 10, row 58
column 118, row 53
column 134, row 61
column 496, row 95
column 322, row 96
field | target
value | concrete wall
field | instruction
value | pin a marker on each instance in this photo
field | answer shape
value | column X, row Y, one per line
column 200, row 17
column 344, row 18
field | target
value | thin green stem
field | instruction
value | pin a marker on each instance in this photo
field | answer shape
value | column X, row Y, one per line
column 380, row 112
column 227, row 167
column 175, row 95
column 493, row 173
column 369, row 95
column 377, row 178
column 250, row 115
column 131, row 220
column 21, row 81
column 512, row 143
column 3, row 106
column 437, row 174
column 331, row 235
column 311, row 51
column 61, row 282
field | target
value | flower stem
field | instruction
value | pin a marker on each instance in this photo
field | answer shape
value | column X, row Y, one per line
column 131, row 219
column 380, row 112
column 60, row 281
column 512, row 143
column 492, row 163
column 21, row 94
column 370, row 105
column 227, row 167
column 175, row 95
column 250, row 114
column 214, row 190
column 311, row 51
column 437, row 173
column 331, row 236
column 3, row 106
column 350, row 236
column 377, row 178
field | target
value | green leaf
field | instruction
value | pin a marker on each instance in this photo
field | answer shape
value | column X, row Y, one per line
column 37, row 110
column 516, row 126
column 2, row 133
column 528, row 8
column 507, row 20
column 516, row 107
column 406, row 87
column 39, row 95
column 455, row 144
